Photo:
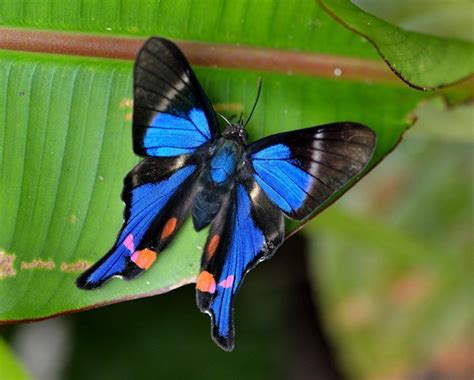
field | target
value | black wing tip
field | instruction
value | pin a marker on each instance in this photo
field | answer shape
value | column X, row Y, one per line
column 130, row 272
column 82, row 282
column 226, row 343
column 349, row 124
column 370, row 136
column 362, row 127
column 156, row 39
column 157, row 42
column 203, row 301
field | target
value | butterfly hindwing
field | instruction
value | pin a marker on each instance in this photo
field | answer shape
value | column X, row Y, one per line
column 300, row 170
column 157, row 195
column 171, row 112
column 246, row 232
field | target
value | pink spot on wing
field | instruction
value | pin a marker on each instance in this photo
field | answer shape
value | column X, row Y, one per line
column 228, row 282
column 128, row 243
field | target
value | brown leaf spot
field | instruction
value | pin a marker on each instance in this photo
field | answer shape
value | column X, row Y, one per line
column 6, row 265
column 231, row 107
column 38, row 264
column 129, row 116
column 72, row 219
column 78, row 266
column 126, row 103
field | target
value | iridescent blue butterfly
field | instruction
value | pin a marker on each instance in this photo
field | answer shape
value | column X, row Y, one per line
column 242, row 192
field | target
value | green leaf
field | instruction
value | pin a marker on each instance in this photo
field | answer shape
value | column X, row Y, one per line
column 451, row 19
column 424, row 61
column 10, row 368
column 65, row 136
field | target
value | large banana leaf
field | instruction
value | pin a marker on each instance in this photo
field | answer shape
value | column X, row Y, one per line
column 65, row 130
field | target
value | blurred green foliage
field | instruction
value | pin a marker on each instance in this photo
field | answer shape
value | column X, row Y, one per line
column 10, row 367
column 394, row 256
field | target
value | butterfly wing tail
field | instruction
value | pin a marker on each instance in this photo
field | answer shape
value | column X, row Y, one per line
column 222, row 314
column 116, row 263
column 243, row 234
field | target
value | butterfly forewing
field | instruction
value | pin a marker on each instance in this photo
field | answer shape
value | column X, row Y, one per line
column 300, row 170
column 171, row 113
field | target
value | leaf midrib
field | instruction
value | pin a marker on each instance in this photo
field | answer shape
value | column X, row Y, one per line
column 203, row 54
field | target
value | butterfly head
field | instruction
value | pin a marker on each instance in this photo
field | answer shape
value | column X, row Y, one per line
column 236, row 132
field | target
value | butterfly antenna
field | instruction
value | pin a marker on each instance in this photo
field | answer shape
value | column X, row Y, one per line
column 225, row 119
column 259, row 90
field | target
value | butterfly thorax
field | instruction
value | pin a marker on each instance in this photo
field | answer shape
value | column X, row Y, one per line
column 217, row 179
column 225, row 156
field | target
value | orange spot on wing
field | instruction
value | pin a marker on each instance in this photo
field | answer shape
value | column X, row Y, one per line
column 212, row 246
column 144, row 258
column 169, row 228
column 205, row 282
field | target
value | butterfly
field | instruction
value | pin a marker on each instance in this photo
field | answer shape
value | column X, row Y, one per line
column 241, row 192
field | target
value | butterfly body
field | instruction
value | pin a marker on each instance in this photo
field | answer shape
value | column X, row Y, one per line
column 241, row 192
column 217, row 179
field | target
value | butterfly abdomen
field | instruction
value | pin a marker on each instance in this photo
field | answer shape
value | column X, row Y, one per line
column 205, row 208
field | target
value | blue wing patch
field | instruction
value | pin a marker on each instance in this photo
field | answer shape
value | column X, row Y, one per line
column 146, row 202
column 170, row 135
column 284, row 182
column 172, row 115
